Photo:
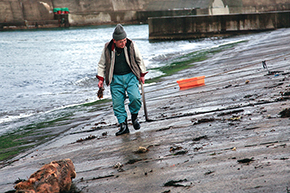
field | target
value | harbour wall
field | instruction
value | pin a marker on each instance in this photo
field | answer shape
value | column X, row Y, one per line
column 127, row 17
column 39, row 13
column 192, row 27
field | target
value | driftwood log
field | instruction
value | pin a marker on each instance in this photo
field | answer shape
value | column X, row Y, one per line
column 50, row 178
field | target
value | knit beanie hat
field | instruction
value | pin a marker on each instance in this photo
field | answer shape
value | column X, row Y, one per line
column 119, row 33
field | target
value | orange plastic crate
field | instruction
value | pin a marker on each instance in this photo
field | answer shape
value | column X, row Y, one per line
column 191, row 82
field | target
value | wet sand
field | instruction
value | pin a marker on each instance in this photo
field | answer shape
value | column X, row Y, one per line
column 226, row 136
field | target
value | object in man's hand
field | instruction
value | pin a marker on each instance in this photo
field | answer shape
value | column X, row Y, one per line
column 100, row 93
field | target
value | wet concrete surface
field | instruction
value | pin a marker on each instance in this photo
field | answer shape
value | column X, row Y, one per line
column 226, row 136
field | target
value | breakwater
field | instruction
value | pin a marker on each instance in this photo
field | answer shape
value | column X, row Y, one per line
column 28, row 14
column 185, row 27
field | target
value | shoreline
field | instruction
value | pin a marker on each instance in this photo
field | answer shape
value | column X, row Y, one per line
column 225, row 136
column 24, row 138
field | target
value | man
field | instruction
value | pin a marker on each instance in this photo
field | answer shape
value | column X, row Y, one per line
column 121, row 66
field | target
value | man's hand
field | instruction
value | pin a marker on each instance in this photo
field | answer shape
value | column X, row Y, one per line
column 142, row 80
column 101, row 84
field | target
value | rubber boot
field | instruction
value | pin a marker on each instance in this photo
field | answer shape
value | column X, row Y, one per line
column 123, row 128
column 135, row 122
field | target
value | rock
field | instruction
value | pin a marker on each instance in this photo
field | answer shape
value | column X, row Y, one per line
column 285, row 113
column 51, row 178
column 246, row 160
column 141, row 150
column 176, row 183
column 200, row 138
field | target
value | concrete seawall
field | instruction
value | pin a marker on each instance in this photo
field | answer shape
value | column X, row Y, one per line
column 128, row 17
column 16, row 13
column 186, row 27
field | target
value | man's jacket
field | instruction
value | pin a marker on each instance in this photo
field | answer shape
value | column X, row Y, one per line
column 107, row 61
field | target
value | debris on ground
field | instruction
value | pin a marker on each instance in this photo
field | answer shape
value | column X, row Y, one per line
column 248, row 96
column 285, row 113
column 230, row 112
column 181, row 152
column 286, row 94
column 204, row 120
column 208, row 172
column 141, row 150
column 200, row 138
column 246, row 160
column 275, row 72
column 85, row 139
column 274, row 85
column 174, row 148
column 55, row 176
column 235, row 118
column 228, row 86
column 102, row 122
column 119, row 167
column 132, row 161
column 176, row 183
column 164, row 129
column 19, row 180
column 195, row 149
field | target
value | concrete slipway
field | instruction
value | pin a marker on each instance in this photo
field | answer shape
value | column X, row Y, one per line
column 226, row 136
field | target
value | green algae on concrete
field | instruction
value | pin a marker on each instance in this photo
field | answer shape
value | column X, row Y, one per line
column 27, row 137
column 31, row 135
column 188, row 60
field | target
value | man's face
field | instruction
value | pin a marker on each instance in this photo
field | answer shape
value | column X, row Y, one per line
column 120, row 43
